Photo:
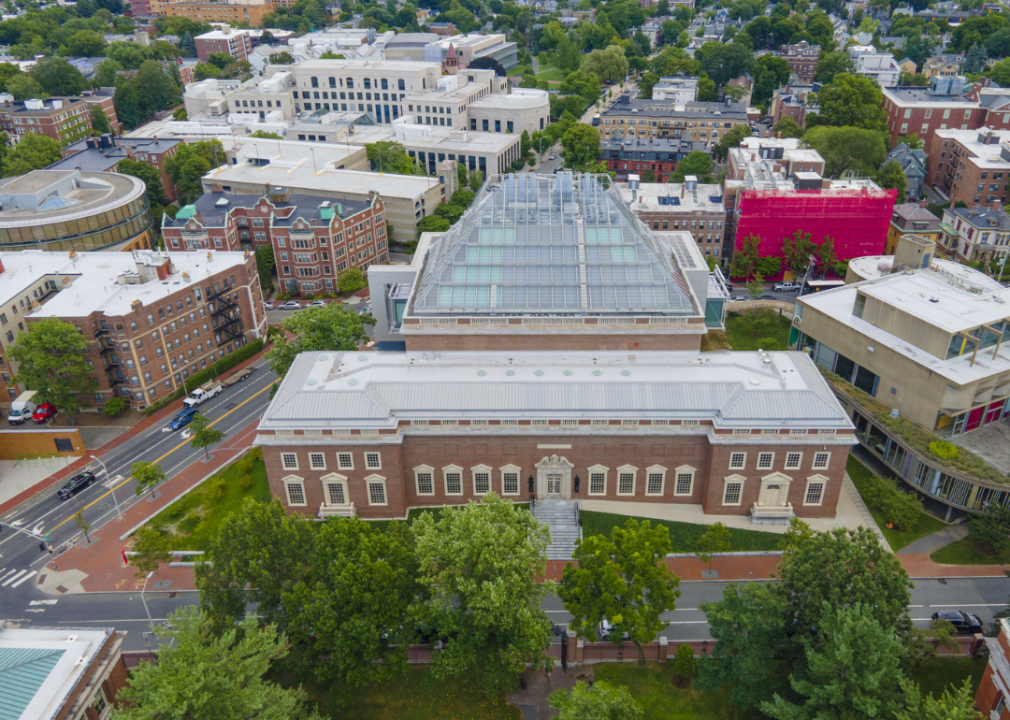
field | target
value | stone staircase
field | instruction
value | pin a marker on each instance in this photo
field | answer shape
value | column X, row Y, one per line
column 561, row 516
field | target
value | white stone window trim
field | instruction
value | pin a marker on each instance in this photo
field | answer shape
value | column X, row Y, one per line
column 821, row 480
column 473, row 478
column 821, row 466
column 290, row 480
column 376, row 480
column 450, row 423
column 597, row 469
column 445, row 479
column 626, row 470
column 284, row 461
column 340, row 460
column 321, row 457
column 419, row 423
column 683, row 470
column 378, row 455
column 655, row 470
column 741, row 465
column 770, row 457
column 417, row 483
column 330, row 479
column 733, row 480
column 519, row 478
column 799, row 461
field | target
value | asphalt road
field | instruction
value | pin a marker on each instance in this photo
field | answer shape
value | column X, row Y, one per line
column 21, row 559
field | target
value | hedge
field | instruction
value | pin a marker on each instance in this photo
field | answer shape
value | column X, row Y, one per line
column 221, row 366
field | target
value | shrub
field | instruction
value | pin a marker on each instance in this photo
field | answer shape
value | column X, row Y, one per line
column 114, row 406
column 192, row 521
column 245, row 464
column 944, row 449
column 215, row 488
column 899, row 508
column 684, row 664
column 991, row 530
column 244, row 482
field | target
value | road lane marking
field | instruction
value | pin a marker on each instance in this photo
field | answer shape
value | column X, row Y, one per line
column 154, row 462
column 13, row 578
column 43, row 602
column 26, row 577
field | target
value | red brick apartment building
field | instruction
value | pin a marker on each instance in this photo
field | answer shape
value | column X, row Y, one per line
column 944, row 106
column 972, row 166
column 103, row 153
column 993, row 693
column 237, row 43
column 314, row 240
column 154, row 318
column 802, row 58
column 64, row 119
column 739, row 434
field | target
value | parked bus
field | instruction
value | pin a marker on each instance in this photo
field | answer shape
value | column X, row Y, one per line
column 596, row 120
column 812, row 286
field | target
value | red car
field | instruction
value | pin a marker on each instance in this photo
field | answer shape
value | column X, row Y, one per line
column 44, row 413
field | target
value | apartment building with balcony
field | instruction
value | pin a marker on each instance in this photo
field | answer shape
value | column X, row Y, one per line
column 971, row 166
column 703, row 122
column 64, row 119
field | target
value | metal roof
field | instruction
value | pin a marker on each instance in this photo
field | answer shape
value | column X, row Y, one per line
column 550, row 244
column 23, row 670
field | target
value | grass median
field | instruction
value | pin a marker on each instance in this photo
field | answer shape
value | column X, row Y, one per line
column 683, row 536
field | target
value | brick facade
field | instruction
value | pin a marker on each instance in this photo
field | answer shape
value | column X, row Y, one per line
column 802, row 58
column 990, row 699
column 681, row 452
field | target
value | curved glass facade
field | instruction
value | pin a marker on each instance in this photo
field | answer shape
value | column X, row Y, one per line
column 99, row 231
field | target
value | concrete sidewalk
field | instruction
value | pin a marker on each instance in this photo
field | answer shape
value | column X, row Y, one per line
column 99, row 566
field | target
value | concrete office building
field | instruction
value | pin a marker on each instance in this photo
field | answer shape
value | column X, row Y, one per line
column 375, row 434
column 152, row 318
column 71, row 210
column 523, row 109
column 472, row 46
column 549, row 263
column 319, row 171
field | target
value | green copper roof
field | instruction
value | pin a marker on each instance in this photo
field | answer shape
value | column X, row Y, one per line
column 186, row 212
column 22, row 672
column 326, row 213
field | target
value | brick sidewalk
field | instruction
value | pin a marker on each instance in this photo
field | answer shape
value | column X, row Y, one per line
column 101, row 561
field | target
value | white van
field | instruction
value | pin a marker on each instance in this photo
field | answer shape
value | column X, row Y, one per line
column 22, row 408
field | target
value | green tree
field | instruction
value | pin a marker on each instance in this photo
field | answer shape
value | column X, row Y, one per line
column 645, row 84
column 204, row 435
column 202, row 675
column 106, row 73
column 152, row 550
column 830, row 64
column 731, row 139
column 148, row 475
column 847, row 149
column 788, row 128
column 756, row 286
column 999, row 74
column 33, row 152
column 745, row 258
column 114, row 406
column 957, row 705
column 83, row 524
column 610, row 65
column 84, row 43
column 990, row 530
column 58, row 77
column 601, row 702
column 581, row 144
column 974, row 60
column 351, row 280
column 623, row 579
column 707, row 89
column 685, row 664
column 892, row 177
column 432, row 223
column 333, row 327
column 715, row 539
column 151, row 176
column 476, row 180
column 796, row 251
column 851, row 670
column 51, row 360
column 265, row 135
column 751, row 656
column 848, row 100
column 390, row 157
column 265, row 266
column 769, row 73
column 481, row 563
column 99, row 120
column 696, row 163
column 261, row 548
column 352, row 606
column 724, row 61
column 281, row 58
column 190, row 163
column 24, row 87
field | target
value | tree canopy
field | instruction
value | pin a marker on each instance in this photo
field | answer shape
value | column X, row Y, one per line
column 847, row 149
column 33, row 152
column 50, row 354
column 848, row 100
column 333, row 327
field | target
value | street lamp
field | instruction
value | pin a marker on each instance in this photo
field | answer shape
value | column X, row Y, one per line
column 104, row 470
column 149, row 619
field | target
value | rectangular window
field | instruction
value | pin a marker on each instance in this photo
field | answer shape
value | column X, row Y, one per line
column 425, row 484
column 376, row 493
column 345, row 461
column 453, row 484
column 296, row 494
column 765, row 460
column 290, row 461
column 684, row 482
column 732, row 494
column 793, row 460
column 737, row 460
column 597, row 483
column 629, row 423
column 510, row 483
column 821, row 460
column 419, row 423
column 373, row 461
column 569, row 423
column 626, row 483
column 317, row 461
column 481, row 483
column 510, row 423
column 654, row 483
column 815, row 491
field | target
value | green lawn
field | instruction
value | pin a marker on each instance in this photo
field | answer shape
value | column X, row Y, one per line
column 552, row 75
column 418, row 697
column 743, row 334
column 935, row 675
column 926, row 525
column 195, row 518
column 414, row 513
column 963, row 552
column 651, row 686
column 683, row 536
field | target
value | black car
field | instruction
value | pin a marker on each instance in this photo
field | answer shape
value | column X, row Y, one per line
column 962, row 621
column 75, row 485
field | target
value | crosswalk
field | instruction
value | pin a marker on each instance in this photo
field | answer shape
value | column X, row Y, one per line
column 15, row 577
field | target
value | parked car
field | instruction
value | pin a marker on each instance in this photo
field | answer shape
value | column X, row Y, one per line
column 44, row 413
column 551, row 156
column 268, row 306
column 606, row 630
column 183, row 419
column 76, row 484
column 316, row 303
column 767, row 297
column 290, row 305
column 740, row 298
column 788, row 287
column 963, row 622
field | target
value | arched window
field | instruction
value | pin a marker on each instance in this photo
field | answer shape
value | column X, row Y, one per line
column 400, row 84
column 315, row 82
column 333, row 82
column 350, row 83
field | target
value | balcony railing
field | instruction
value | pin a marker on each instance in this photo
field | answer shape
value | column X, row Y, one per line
column 326, row 510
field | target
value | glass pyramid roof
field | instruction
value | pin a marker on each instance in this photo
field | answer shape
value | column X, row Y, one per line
column 550, row 244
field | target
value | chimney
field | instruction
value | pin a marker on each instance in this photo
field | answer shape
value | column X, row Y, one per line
column 129, row 152
column 922, row 203
column 683, row 185
column 778, row 135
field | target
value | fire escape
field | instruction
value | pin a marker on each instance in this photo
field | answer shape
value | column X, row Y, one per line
column 222, row 312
